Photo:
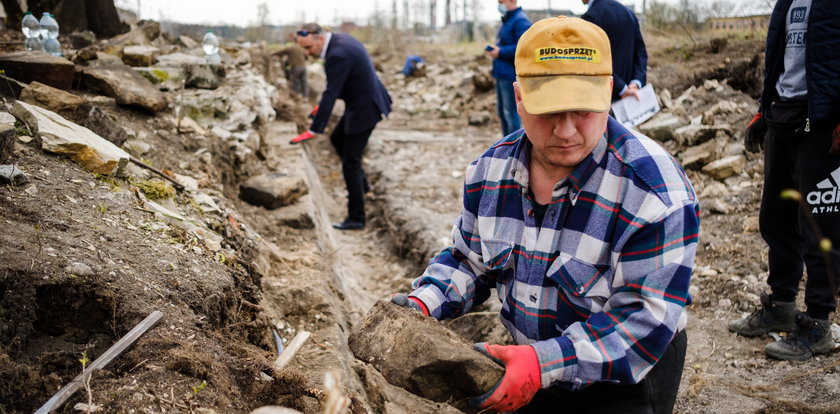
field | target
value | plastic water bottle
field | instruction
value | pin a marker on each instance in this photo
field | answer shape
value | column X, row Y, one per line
column 31, row 30
column 52, row 46
column 210, row 44
column 49, row 27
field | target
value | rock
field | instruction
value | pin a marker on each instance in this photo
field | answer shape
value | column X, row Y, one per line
column 661, row 127
column 272, row 190
column 38, row 66
column 421, row 355
column 80, row 40
column 8, row 134
column 751, row 224
column 125, row 85
column 106, row 59
column 714, row 189
column 147, row 31
column 478, row 119
column 79, row 269
column 10, row 174
column 696, row 157
column 86, row 54
column 66, row 104
column 725, row 167
column 137, row 147
column 698, row 134
column 186, row 42
column 180, row 59
column 140, row 55
column 77, row 142
column 718, row 44
column 204, row 76
column 274, row 409
column 717, row 205
column 483, row 82
column 105, row 126
column 665, row 99
column 386, row 398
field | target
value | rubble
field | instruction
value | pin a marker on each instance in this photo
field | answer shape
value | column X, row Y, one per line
column 125, row 85
column 11, row 174
column 8, row 134
column 272, row 190
column 38, row 66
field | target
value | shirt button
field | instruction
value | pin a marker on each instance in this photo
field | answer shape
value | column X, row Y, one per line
column 580, row 289
column 530, row 212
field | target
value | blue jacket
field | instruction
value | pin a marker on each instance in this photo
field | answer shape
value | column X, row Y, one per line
column 514, row 23
column 351, row 78
column 629, row 55
column 822, row 59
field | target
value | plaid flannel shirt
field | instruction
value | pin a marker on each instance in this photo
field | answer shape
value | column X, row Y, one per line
column 600, row 289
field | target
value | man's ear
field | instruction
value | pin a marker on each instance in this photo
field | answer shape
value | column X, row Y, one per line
column 517, row 98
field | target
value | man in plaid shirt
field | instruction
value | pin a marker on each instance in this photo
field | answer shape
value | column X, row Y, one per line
column 588, row 233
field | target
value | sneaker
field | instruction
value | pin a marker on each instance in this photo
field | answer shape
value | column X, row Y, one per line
column 811, row 337
column 770, row 317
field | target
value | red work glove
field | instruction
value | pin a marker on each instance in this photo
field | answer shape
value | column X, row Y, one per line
column 521, row 380
column 754, row 135
column 302, row 137
column 313, row 112
column 410, row 302
column 835, row 142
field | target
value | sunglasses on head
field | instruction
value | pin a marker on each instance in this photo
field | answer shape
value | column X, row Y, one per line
column 304, row 33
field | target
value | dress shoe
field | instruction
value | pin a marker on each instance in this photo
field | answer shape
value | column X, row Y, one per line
column 349, row 224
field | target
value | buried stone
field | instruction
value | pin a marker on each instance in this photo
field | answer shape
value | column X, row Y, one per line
column 422, row 355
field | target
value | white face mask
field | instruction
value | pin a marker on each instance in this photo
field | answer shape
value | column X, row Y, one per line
column 502, row 9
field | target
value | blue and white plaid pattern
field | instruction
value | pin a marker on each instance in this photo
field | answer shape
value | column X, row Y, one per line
column 600, row 289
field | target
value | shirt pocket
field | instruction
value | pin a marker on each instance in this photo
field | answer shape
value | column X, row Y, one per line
column 496, row 253
column 580, row 279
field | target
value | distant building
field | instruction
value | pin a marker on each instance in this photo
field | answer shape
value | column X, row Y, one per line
column 539, row 14
column 734, row 24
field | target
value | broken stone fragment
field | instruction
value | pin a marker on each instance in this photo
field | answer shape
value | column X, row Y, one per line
column 272, row 190
column 61, row 136
column 125, row 85
column 423, row 356
column 140, row 55
column 66, row 104
column 10, row 174
column 725, row 167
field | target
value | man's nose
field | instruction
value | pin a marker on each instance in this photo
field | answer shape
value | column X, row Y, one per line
column 564, row 126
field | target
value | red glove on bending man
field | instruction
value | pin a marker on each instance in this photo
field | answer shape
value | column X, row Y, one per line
column 835, row 141
column 302, row 137
column 521, row 380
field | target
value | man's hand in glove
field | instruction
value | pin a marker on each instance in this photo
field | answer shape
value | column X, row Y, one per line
column 410, row 302
column 754, row 136
column 521, row 380
column 302, row 137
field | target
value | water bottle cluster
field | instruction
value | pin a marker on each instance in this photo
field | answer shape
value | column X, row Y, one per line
column 210, row 44
column 41, row 35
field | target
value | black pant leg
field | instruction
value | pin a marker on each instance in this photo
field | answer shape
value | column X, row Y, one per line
column 655, row 394
column 350, row 148
column 819, row 177
column 778, row 218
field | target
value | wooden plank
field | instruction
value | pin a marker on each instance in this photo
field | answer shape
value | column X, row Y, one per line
column 115, row 350
column 291, row 350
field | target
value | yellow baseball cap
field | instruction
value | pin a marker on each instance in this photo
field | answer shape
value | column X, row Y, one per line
column 564, row 64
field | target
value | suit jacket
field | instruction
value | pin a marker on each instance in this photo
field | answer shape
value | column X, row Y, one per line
column 629, row 55
column 351, row 78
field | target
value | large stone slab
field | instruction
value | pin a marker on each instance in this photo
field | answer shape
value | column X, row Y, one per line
column 725, row 167
column 125, row 85
column 272, row 190
column 423, row 356
column 61, row 136
column 29, row 67
column 140, row 55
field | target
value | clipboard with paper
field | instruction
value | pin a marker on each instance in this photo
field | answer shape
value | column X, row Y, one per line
column 631, row 111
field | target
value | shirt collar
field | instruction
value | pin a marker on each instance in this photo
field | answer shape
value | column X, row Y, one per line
column 327, row 37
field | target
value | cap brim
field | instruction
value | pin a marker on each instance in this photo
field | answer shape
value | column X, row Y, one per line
column 547, row 94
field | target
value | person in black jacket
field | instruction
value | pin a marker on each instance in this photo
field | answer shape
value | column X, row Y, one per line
column 797, row 124
column 628, row 47
column 352, row 78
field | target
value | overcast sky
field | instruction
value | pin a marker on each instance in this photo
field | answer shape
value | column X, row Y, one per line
column 244, row 12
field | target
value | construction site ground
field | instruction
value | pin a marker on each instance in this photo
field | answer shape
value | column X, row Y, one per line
column 81, row 263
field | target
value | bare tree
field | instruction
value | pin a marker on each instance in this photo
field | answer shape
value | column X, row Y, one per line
column 433, row 15
column 448, row 12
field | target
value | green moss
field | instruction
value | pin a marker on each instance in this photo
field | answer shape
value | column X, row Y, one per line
column 155, row 189
column 161, row 74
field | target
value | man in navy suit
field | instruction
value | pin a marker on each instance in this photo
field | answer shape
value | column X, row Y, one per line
column 352, row 78
column 628, row 48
